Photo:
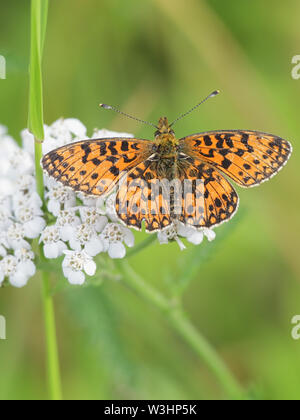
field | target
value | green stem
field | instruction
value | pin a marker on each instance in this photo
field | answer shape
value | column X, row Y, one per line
column 39, row 9
column 53, row 370
column 179, row 321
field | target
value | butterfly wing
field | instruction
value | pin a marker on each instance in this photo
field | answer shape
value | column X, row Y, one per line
column 247, row 157
column 95, row 166
column 208, row 198
column 203, row 197
column 143, row 197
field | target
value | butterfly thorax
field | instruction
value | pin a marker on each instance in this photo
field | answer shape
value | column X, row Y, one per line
column 166, row 146
column 165, row 140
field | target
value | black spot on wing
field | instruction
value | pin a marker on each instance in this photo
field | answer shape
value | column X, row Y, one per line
column 112, row 148
column 114, row 170
column 226, row 163
column 207, row 141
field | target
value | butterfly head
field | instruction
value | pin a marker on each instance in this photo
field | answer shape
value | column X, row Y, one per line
column 163, row 127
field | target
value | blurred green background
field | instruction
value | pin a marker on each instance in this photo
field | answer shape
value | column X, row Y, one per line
column 154, row 58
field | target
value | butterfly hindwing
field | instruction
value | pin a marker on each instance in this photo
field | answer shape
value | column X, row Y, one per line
column 141, row 198
column 203, row 198
column 208, row 199
column 95, row 166
column 247, row 157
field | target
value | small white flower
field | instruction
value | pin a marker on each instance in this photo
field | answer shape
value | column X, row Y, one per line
column 105, row 134
column 67, row 221
column 59, row 195
column 171, row 234
column 23, row 273
column 74, row 265
column 90, row 201
column 15, row 237
column 178, row 230
column 86, row 236
column 28, row 141
column 20, row 163
column 26, row 183
column 67, row 127
column 25, row 267
column 210, row 234
column 93, row 216
column 6, row 185
column 61, row 132
column 113, row 237
column 9, row 265
column 8, row 147
column 5, row 202
column 195, row 237
column 24, row 255
column 5, row 218
column 31, row 219
column 22, row 199
column 53, row 246
column 3, row 244
column 17, row 272
column 3, row 251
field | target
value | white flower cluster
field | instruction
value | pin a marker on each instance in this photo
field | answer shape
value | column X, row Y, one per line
column 21, row 217
column 179, row 230
column 81, row 227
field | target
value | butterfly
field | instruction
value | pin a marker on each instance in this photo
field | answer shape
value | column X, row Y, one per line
column 170, row 180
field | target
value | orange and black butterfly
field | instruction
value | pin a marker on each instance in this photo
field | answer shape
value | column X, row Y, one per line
column 97, row 167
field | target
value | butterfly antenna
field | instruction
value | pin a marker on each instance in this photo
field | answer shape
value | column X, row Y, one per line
column 126, row 115
column 215, row 93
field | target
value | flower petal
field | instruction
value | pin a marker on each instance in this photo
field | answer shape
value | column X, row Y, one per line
column 67, row 232
column 34, row 228
column 90, row 267
column 209, row 233
column 54, row 207
column 76, row 277
column 117, row 250
column 180, row 243
column 51, row 250
column 94, row 247
column 128, row 237
column 18, row 279
column 196, row 238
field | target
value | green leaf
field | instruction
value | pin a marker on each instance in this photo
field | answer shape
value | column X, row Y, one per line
column 39, row 10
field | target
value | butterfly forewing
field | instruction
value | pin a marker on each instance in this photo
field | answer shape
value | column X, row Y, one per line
column 95, row 166
column 247, row 157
